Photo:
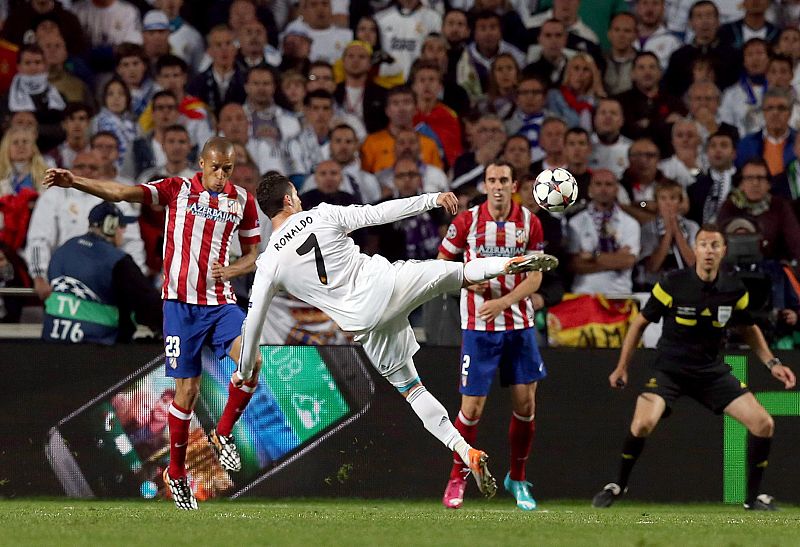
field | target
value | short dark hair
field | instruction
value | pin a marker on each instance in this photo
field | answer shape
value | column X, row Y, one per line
column 170, row 60
column 317, row 94
column 163, row 93
column 127, row 49
column 75, row 107
column 400, row 90
column 29, row 48
column 264, row 68
column 484, row 15
column 665, row 185
column 645, row 54
column 577, row 131
column 103, row 134
column 501, row 163
column 702, row 3
column 424, row 64
column 344, row 127
column 623, row 14
column 721, row 135
column 781, row 58
column 271, row 191
column 711, row 228
column 756, row 161
column 176, row 128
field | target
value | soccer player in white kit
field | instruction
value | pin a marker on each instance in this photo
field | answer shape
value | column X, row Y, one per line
column 310, row 256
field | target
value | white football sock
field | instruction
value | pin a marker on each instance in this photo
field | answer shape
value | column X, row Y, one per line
column 481, row 269
column 434, row 418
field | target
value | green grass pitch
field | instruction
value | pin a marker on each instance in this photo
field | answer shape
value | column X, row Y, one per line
column 350, row 522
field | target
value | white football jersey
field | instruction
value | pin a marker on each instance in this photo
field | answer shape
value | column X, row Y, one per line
column 402, row 34
column 311, row 257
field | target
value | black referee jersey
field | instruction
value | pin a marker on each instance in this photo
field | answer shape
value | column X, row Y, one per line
column 695, row 315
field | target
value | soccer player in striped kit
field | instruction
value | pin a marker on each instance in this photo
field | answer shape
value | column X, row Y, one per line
column 498, row 327
column 199, row 304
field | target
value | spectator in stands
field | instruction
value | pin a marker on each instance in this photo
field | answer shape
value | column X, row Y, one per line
column 12, row 274
column 311, row 145
column 107, row 24
column 22, row 170
column 501, row 96
column 753, row 24
column 476, row 62
column 147, row 151
column 548, row 57
column 407, row 146
column 172, row 75
column 551, row 141
column 132, row 67
column 603, row 241
column 443, row 124
column 582, row 86
column 155, row 35
column 711, row 188
column 321, row 77
column 316, row 20
column 293, row 88
column 577, row 151
column 788, row 46
column 619, row 58
column 176, row 162
column 647, row 110
column 403, row 26
column 566, row 11
column 267, row 120
column 639, row 180
column 490, row 136
column 456, row 31
column 223, row 81
column 328, row 175
column 115, row 287
column 24, row 16
column 295, row 50
column 434, row 49
column 780, row 74
column 357, row 94
column 529, row 113
column 377, row 151
column 106, row 144
column 653, row 35
column 76, row 127
column 702, row 100
column 31, row 92
column 609, row 146
column 414, row 238
column 115, row 115
column 517, row 152
column 725, row 60
column 688, row 160
column 233, row 124
column 666, row 241
column 511, row 24
column 741, row 102
column 772, row 215
column 775, row 143
column 254, row 47
column 343, row 150
column 54, row 48
column 184, row 40
column 61, row 214
column 368, row 31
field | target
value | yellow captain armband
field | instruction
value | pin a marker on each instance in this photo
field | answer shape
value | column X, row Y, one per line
column 662, row 296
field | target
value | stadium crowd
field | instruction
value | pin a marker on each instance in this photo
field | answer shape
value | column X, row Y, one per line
column 669, row 113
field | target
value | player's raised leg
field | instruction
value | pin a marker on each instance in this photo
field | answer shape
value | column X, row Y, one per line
column 483, row 269
column 227, row 339
column 760, row 425
column 435, row 419
column 649, row 409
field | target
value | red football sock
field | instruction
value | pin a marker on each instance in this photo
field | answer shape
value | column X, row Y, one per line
column 520, row 438
column 178, row 420
column 238, row 397
column 469, row 430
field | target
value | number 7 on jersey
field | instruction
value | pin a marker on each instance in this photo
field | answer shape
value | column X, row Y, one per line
column 305, row 248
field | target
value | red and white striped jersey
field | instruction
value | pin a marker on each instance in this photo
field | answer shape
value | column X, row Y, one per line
column 476, row 234
column 198, row 231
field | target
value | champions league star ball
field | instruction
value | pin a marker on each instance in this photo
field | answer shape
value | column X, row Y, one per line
column 555, row 190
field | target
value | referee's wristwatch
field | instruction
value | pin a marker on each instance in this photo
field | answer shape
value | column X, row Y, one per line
column 773, row 362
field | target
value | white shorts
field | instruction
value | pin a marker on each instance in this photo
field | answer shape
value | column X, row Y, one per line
column 391, row 342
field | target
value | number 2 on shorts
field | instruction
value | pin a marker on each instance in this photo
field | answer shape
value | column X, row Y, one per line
column 305, row 248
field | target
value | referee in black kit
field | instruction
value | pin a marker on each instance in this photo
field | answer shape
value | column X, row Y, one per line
column 696, row 305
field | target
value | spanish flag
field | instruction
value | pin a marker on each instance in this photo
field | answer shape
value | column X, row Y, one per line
column 589, row 321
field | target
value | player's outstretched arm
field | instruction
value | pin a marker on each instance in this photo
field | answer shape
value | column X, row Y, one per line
column 755, row 339
column 619, row 377
column 359, row 216
column 260, row 298
column 107, row 190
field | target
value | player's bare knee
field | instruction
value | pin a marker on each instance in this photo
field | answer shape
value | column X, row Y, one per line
column 764, row 426
column 643, row 426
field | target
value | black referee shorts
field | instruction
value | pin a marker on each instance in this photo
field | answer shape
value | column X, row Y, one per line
column 714, row 393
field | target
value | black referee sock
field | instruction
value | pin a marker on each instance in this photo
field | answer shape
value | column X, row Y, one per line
column 757, row 454
column 631, row 449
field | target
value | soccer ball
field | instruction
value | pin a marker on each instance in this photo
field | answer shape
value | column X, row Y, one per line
column 555, row 190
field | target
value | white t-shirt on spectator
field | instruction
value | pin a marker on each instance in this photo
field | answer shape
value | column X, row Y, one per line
column 327, row 44
column 662, row 43
column 118, row 23
column 368, row 185
column 402, row 35
column 582, row 236
column 613, row 157
column 187, row 43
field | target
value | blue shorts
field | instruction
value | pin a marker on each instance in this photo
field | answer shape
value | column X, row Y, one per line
column 188, row 327
column 514, row 352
